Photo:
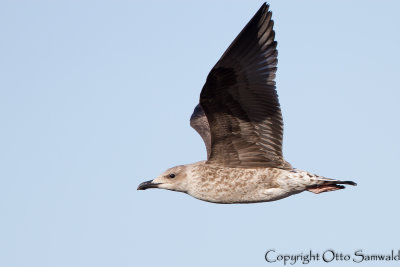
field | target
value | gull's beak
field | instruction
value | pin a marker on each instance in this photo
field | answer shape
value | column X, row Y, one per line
column 147, row 184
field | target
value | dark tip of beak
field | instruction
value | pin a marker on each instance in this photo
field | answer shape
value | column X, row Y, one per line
column 147, row 184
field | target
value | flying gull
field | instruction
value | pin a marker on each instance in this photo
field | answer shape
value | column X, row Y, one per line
column 239, row 118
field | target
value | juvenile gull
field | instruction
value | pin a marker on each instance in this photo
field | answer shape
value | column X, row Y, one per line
column 240, row 121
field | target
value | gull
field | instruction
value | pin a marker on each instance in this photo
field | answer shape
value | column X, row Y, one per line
column 240, row 121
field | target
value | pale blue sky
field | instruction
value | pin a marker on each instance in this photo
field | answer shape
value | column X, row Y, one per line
column 95, row 97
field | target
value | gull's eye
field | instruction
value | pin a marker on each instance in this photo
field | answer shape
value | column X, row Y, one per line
column 172, row 175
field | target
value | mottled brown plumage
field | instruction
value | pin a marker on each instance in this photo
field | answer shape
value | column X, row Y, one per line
column 240, row 121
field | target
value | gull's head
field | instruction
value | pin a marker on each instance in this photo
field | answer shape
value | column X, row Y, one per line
column 174, row 179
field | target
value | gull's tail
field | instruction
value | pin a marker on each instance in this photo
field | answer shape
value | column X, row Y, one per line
column 327, row 185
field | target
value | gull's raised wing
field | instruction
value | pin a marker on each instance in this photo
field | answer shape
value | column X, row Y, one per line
column 240, row 101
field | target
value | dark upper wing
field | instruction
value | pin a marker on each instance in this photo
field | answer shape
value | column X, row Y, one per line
column 240, row 101
column 199, row 122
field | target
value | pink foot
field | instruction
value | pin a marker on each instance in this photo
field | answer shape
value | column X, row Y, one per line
column 325, row 188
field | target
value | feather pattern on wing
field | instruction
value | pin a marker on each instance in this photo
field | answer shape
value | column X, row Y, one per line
column 240, row 102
